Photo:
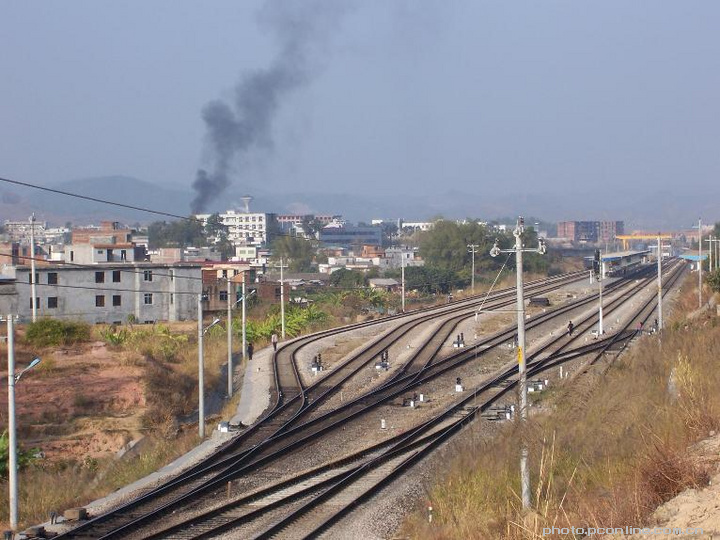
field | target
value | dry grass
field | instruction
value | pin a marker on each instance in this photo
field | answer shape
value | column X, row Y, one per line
column 169, row 362
column 612, row 450
column 57, row 486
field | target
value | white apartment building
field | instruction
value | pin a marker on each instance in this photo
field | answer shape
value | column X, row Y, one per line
column 245, row 228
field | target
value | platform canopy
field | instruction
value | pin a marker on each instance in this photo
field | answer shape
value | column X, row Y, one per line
column 694, row 257
column 620, row 255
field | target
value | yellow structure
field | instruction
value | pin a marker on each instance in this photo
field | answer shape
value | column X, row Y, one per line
column 627, row 237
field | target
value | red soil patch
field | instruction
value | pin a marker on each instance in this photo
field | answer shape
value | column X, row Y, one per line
column 80, row 401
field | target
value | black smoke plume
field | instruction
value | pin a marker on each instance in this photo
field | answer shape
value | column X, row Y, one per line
column 234, row 129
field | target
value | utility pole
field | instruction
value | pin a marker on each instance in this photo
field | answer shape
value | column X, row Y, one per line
column 244, row 321
column 710, row 253
column 12, row 435
column 402, row 277
column 229, row 340
column 659, row 284
column 201, row 371
column 282, row 300
column 699, row 263
column 472, row 248
column 600, row 275
column 33, row 291
column 495, row 251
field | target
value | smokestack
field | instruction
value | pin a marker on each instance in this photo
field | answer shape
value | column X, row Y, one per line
column 236, row 129
column 246, row 202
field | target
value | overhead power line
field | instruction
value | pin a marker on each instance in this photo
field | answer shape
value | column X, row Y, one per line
column 93, row 199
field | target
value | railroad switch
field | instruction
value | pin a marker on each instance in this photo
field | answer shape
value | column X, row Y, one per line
column 316, row 364
column 537, row 385
column 383, row 364
column 499, row 413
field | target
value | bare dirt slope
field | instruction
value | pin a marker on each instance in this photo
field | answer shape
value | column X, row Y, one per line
column 83, row 401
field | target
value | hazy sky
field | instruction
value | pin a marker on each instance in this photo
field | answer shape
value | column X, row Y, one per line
column 468, row 95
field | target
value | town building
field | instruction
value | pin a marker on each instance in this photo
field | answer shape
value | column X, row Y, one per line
column 349, row 235
column 111, row 292
column 110, row 242
column 215, row 278
column 386, row 284
column 590, row 231
column 246, row 228
column 19, row 231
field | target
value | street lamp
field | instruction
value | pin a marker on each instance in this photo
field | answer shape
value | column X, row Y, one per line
column 518, row 249
column 282, row 297
column 33, row 291
column 201, row 366
column 230, row 306
column 12, row 430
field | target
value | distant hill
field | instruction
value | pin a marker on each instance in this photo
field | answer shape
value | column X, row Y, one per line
column 18, row 202
column 637, row 207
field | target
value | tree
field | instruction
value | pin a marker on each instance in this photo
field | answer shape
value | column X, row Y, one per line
column 24, row 457
column 348, row 279
column 298, row 252
column 445, row 245
column 427, row 279
column 713, row 279
column 218, row 232
column 180, row 233
column 389, row 232
column 311, row 226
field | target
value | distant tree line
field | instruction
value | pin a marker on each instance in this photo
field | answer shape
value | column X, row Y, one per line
column 191, row 232
column 448, row 260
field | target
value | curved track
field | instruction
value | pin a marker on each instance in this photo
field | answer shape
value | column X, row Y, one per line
column 289, row 424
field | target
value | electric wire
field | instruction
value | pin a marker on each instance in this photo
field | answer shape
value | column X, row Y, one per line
column 94, row 199
column 167, row 214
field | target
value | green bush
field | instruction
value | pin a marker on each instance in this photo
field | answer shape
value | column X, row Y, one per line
column 54, row 332
column 24, row 457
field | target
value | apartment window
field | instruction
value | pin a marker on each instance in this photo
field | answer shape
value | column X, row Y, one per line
column 52, row 302
column 147, row 275
column 37, row 277
column 116, row 276
column 99, row 277
column 37, row 302
column 223, row 296
column 117, row 300
column 148, row 298
column 224, row 273
column 123, row 254
column 52, row 278
column 100, row 300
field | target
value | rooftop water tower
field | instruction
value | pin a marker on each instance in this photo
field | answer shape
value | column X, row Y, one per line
column 246, row 202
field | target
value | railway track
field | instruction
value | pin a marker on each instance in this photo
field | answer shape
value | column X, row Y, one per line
column 282, row 429
column 291, row 401
column 310, row 499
